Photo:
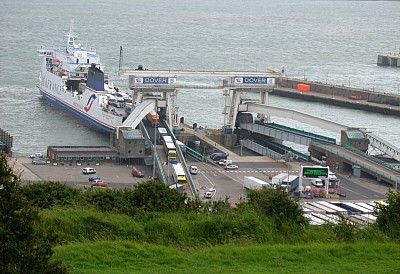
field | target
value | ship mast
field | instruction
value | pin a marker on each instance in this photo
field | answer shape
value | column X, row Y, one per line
column 70, row 37
column 121, row 59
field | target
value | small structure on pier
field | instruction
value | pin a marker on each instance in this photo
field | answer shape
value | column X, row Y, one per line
column 391, row 59
column 6, row 142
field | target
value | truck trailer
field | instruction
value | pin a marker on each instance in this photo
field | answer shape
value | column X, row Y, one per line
column 251, row 182
column 277, row 180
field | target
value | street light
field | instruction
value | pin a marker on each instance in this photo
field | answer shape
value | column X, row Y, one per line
column 155, row 142
column 287, row 157
column 373, row 87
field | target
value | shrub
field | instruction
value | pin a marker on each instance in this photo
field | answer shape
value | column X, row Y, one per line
column 49, row 194
column 278, row 206
column 388, row 216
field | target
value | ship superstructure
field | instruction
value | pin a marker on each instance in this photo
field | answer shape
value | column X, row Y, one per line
column 73, row 81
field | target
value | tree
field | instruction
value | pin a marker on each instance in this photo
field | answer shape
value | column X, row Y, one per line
column 24, row 248
column 278, row 206
column 48, row 194
column 388, row 215
column 154, row 196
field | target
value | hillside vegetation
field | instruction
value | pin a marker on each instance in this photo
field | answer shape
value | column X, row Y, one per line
column 154, row 229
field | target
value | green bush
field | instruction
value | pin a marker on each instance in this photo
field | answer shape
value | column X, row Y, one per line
column 277, row 205
column 388, row 216
column 49, row 194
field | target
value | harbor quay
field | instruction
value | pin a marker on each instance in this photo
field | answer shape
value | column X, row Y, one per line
column 226, row 183
column 339, row 95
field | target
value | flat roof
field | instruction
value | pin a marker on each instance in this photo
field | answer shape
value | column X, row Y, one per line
column 92, row 149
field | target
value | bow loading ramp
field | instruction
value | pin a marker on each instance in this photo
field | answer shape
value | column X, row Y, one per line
column 383, row 146
column 137, row 115
column 296, row 115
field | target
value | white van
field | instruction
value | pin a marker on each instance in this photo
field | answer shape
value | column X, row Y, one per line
column 193, row 170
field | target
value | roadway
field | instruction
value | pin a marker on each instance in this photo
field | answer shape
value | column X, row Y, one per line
column 226, row 183
column 229, row 183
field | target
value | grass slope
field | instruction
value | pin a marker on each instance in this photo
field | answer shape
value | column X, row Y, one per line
column 129, row 257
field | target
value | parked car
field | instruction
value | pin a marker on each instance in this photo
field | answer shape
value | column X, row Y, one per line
column 88, row 170
column 137, row 173
column 225, row 162
column 317, row 182
column 231, row 166
column 36, row 155
column 218, row 156
column 208, row 195
column 99, row 183
column 308, row 195
column 193, row 170
column 93, row 178
column 39, row 161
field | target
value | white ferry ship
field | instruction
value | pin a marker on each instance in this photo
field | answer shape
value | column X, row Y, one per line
column 72, row 80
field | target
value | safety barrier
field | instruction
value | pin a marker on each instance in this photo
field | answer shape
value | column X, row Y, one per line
column 181, row 156
column 161, row 173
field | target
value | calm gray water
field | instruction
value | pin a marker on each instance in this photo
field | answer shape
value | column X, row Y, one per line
column 327, row 41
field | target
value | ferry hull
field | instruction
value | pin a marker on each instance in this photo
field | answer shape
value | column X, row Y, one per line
column 76, row 115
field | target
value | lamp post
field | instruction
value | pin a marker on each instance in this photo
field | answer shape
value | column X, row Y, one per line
column 373, row 87
column 287, row 157
column 155, row 142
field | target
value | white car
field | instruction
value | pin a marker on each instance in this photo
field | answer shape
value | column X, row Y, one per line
column 231, row 166
column 225, row 162
column 317, row 182
column 88, row 170
column 36, row 155
column 208, row 195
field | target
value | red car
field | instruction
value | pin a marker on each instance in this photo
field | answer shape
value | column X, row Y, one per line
column 99, row 184
column 137, row 173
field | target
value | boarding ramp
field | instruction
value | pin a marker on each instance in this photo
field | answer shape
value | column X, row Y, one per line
column 265, row 151
column 366, row 164
column 138, row 113
column 286, row 133
column 296, row 115
column 383, row 146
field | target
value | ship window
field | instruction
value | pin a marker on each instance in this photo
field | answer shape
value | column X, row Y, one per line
column 129, row 151
column 89, row 158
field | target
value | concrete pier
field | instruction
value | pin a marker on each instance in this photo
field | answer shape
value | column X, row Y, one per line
column 389, row 59
column 385, row 103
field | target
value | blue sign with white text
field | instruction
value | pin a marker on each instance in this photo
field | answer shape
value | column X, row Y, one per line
column 255, row 80
column 155, row 80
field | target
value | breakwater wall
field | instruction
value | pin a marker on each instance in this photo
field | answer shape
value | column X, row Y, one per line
column 343, row 91
column 344, row 96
